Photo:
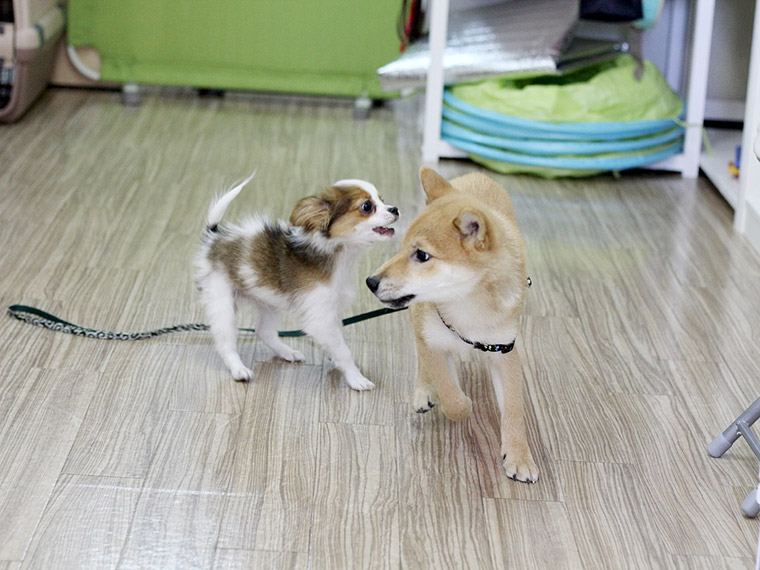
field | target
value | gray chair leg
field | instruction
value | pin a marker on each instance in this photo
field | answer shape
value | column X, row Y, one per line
column 725, row 440
column 741, row 427
column 750, row 507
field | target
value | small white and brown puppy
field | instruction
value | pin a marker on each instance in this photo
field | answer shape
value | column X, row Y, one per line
column 462, row 269
column 306, row 267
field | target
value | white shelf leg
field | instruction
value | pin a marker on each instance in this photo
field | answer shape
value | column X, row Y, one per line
column 431, row 134
column 749, row 176
column 697, row 88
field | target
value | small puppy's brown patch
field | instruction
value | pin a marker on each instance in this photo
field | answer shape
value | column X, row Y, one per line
column 335, row 212
column 229, row 254
column 286, row 264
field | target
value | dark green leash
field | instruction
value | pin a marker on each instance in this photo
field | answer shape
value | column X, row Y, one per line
column 40, row 318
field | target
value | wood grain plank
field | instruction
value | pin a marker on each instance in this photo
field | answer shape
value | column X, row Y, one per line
column 620, row 341
column 575, row 421
column 582, row 261
column 394, row 380
column 35, row 439
column 176, row 523
column 17, row 235
column 515, row 526
column 271, row 499
column 677, row 562
column 554, row 340
column 356, row 519
column 173, row 529
column 707, row 397
column 63, row 254
column 203, row 384
column 170, row 267
column 37, row 348
column 133, row 240
column 232, row 559
column 705, row 324
column 442, row 519
column 604, row 534
column 196, row 452
column 393, row 329
column 676, row 478
column 88, row 295
column 85, row 523
column 551, row 293
column 121, row 429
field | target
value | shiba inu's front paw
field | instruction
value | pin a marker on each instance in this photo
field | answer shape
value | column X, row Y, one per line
column 359, row 382
column 518, row 468
column 423, row 400
column 458, row 408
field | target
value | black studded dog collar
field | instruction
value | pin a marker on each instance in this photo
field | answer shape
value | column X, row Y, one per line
column 503, row 348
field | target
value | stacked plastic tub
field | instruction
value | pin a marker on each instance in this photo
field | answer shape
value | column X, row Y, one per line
column 611, row 116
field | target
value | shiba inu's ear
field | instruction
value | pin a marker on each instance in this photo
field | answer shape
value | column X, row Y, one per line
column 434, row 184
column 472, row 228
column 313, row 213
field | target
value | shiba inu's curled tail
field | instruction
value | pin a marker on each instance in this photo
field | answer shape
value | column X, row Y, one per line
column 220, row 204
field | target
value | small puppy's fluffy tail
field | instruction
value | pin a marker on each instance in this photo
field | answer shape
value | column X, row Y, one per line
column 220, row 203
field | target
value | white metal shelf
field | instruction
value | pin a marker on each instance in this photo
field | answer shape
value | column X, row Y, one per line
column 687, row 163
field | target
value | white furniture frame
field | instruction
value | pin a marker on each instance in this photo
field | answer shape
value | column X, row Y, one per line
column 687, row 162
column 747, row 217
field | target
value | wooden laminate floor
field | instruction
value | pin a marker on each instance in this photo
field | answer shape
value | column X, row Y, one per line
column 639, row 345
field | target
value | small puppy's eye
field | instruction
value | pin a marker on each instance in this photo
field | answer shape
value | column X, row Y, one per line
column 368, row 206
column 421, row 256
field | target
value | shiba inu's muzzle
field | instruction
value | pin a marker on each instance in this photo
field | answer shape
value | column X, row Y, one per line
column 373, row 283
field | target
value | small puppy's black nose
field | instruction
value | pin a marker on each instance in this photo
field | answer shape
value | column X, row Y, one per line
column 393, row 210
column 373, row 283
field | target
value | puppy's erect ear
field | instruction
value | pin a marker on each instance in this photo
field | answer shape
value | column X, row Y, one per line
column 312, row 213
column 434, row 184
column 473, row 229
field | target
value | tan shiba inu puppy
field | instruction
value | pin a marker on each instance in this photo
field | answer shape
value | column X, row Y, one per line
column 462, row 269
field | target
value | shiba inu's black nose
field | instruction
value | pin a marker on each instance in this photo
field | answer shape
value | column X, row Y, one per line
column 373, row 283
column 393, row 210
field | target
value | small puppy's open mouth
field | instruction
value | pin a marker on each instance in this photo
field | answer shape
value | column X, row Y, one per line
column 383, row 231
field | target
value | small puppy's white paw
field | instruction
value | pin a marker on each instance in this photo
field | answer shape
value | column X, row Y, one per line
column 291, row 355
column 241, row 373
column 359, row 382
column 423, row 400
column 522, row 469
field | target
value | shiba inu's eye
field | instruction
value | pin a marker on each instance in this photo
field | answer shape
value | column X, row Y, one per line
column 367, row 207
column 421, row 256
